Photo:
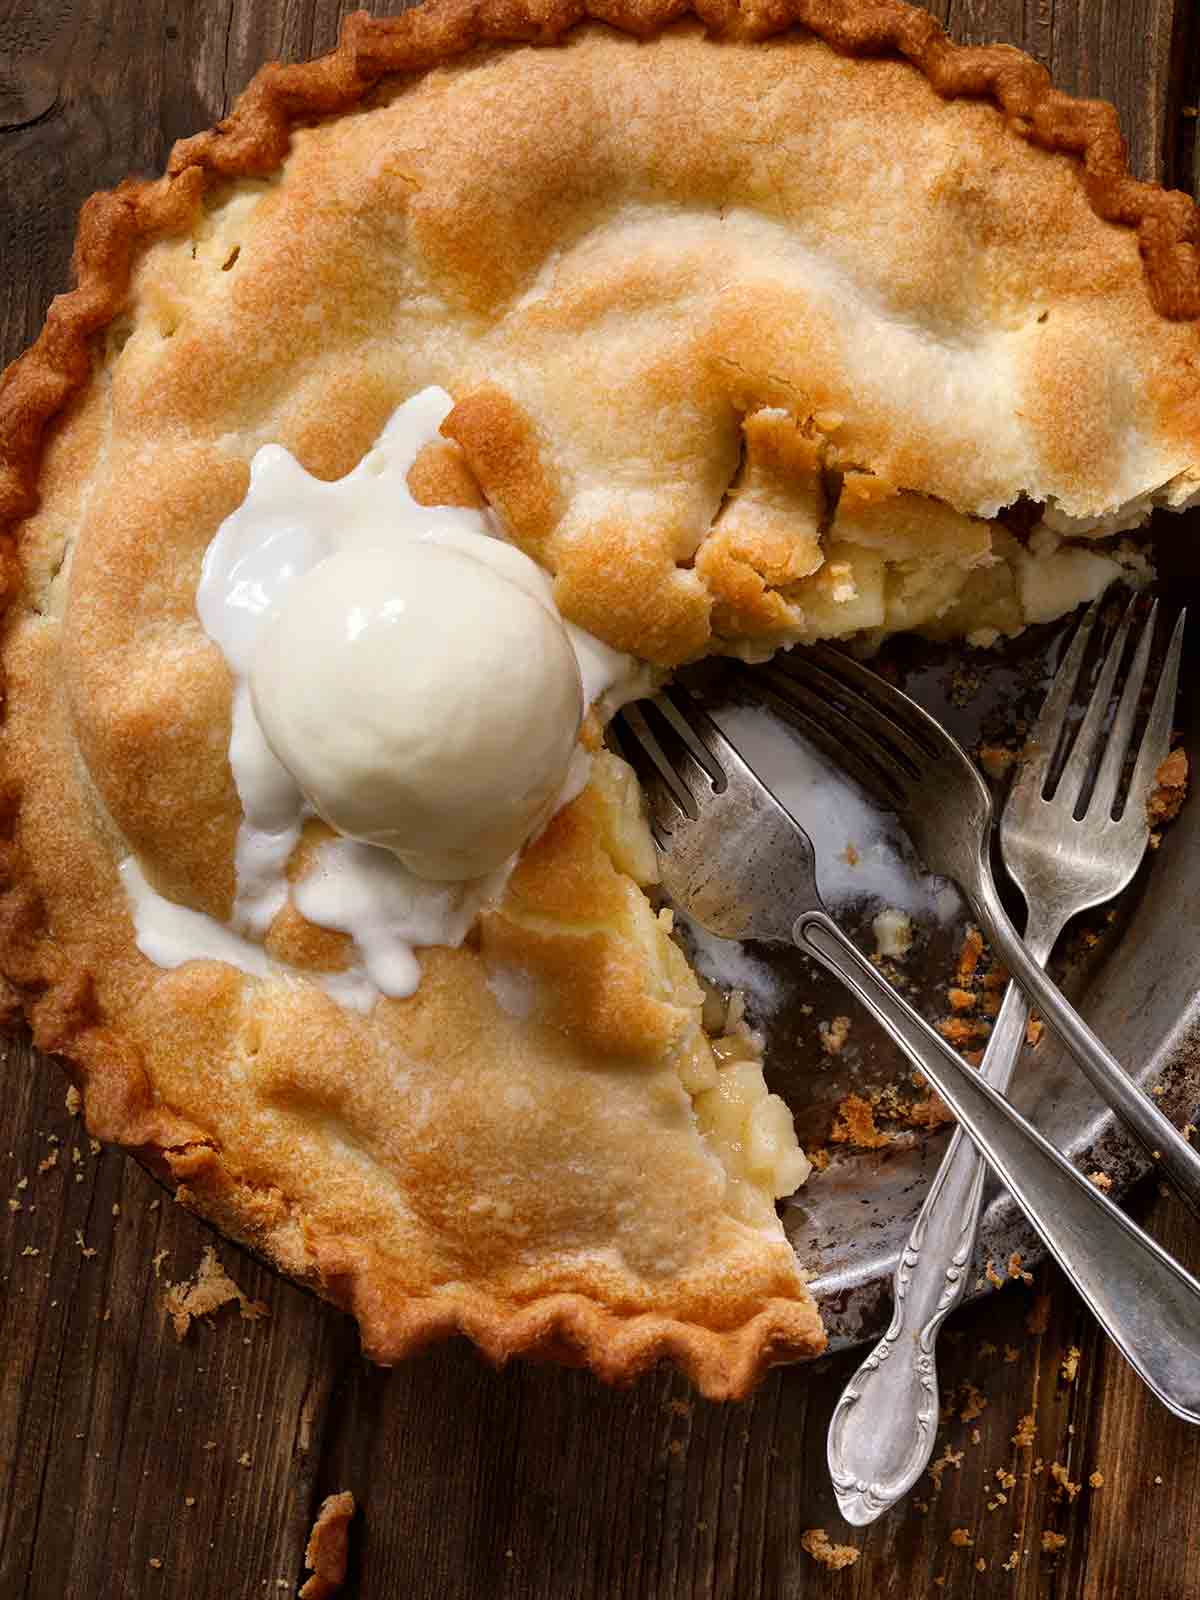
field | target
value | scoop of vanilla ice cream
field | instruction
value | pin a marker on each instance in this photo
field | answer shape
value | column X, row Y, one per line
column 424, row 699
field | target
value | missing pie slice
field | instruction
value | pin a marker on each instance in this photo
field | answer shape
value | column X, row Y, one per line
column 809, row 325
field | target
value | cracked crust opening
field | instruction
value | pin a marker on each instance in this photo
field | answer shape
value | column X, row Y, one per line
column 690, row 328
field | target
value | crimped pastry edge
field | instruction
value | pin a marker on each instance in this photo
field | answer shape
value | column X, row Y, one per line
column 252, row 142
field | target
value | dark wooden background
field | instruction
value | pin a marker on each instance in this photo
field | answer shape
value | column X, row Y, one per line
column 134, row 1465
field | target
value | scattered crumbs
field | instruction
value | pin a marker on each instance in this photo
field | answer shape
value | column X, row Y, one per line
column 207, row 1292
column 968, row 956
column 156, row 1562
column 1053, row 1541
column 1096, row 1480
column 1158, row 1091
column 851, row 856
column 1011, row 1564
column 1016, row 1270
column 31, row 1250
column 816, row 1543
column 962, row 999
column 1070, row 1364
column 974, row 1404
column 74, row 1101
column 679, row 1408
column 987, row 1348
column 893, row 932
column 1170, row 787
column 210, row 1444
column 1005, row 1478
column 1158, row 1479
column 157, row 1260
column 922, row 1506
column 94, row 1146
column 245, row 1460
column 980, row 1564
column 14, row 1204
column 76, row 1156
column 948, row 1458
column 1034, row 1029
column 834, row 1035
column 48, row 1161
column 1026, row 1432
column 189, row 1499
column 116, row 1210
column 154, row 1205
column 22, row 1183
column 996, row 760
column 818, row 1158
column 940, row 1583
column 328, row 1546
column 963, row 1030
column 976, row 1436
column 1061, row 1477
column 86, row 1250
column 961, row 1538
column 993, row 1277
column 1100, row 1179
column 854, row 1123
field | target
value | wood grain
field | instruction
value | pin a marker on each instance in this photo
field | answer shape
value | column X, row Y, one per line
column 534, row 1484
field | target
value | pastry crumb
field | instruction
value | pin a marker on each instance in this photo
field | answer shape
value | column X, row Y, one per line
column 816, row 1543
column 1100, row 1179
column 974, row 1402
column 893, row 932
column 1096, row 1480
column 86, row 1250
column 948, row 1458
column 996, row 760
column 1070, row 1364
column 1061, row 1477
column 961, row 1538
column 1170, row 789
column 834, row 1035
column 1026, row 1432
column 993, row 1277
column 49, row 1161
column 854, row 1124
column 1016, row 1270
column 328, row 1546
column 1053, row 1541
column 208, row 1291
column 1034, row 1029
column 74, row 1101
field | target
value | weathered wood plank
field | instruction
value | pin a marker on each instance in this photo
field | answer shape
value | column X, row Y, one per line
column 533, row 1484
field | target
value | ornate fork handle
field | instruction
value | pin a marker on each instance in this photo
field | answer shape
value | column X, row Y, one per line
column 1144, row 1300
column 878, row 1449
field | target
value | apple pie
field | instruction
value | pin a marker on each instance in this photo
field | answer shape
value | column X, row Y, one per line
column 551, row 347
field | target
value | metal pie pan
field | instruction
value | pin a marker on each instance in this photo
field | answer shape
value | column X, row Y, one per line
column 1132, row 970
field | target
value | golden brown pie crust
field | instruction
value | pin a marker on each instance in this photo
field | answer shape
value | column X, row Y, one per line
column 151, row 1050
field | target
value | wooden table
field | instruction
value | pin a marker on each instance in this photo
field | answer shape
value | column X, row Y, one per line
column 135, row 1465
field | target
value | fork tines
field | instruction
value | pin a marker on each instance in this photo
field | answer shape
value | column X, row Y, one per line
column 875, row 732
column 1057, row 766
column 675, row 748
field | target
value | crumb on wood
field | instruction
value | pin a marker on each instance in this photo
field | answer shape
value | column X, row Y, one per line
column 961, row 1538
column 1096, row 1480
column 328, row 1546
column 816, row 1543
column 834, row 1035
column 86, row 1250
column 980, row 1564
column 1005, row 1478
column 1026, row 1432
column 208, row 1291
column 1011, row 1564
column 1170, row 789
column 1038, row 1319
column 1070, row 1364
column 1053, row 1541
column 74, row 1101
column 974, row 1402
column 948, row 1458
column 48, row 1161
column 1062, row 1478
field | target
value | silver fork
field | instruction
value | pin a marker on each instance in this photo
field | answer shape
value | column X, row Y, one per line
column 882, row 1432
column 734, row 858
column 916, row 769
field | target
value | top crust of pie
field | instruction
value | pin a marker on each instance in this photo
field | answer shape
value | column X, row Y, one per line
column 711, row 309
